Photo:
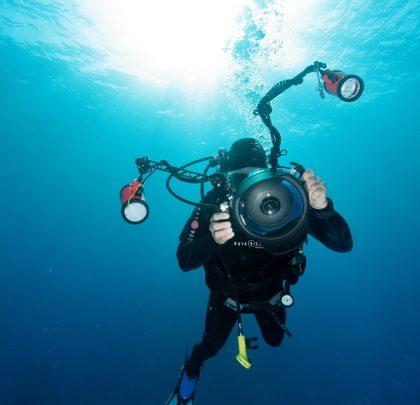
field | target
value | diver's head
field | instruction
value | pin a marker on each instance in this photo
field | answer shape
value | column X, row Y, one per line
column 246, row 152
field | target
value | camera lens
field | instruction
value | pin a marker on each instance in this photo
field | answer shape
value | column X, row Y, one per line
column 270, row 205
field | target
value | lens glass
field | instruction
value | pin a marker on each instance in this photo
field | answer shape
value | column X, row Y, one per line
column 135, row 212
column 271, row 208
column 270, row 205
column 350, row 88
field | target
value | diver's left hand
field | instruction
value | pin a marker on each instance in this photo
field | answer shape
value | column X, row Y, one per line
column 316, row 189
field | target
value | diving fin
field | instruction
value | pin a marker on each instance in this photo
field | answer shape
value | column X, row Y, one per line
column 184, row 392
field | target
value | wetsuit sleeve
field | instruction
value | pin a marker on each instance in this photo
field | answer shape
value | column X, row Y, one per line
column 330, row 228
column 196, row 243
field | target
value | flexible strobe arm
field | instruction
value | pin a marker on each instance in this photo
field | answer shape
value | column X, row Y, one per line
column 264, row 108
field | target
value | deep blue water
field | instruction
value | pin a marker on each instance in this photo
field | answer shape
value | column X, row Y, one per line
column 95, row 311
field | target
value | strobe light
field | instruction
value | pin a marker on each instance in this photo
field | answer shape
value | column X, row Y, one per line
column 346, row 87
column 134, row 208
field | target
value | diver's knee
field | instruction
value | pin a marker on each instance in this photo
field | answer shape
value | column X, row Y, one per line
column 214, row 348
column 274, row 341
column 209, row 348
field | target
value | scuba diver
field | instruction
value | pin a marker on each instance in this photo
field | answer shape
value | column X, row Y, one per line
column 248, row 231
column 241, row 274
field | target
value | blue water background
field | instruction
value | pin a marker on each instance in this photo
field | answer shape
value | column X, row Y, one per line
column 94, row 311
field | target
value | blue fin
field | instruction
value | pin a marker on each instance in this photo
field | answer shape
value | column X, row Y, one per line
column 187, row 386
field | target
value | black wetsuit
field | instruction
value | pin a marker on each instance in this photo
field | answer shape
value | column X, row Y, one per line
column 256, row 273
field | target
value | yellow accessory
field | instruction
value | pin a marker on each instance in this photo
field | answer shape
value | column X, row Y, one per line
column 242, row 357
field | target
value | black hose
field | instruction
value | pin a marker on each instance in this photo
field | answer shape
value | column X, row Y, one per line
column 174, row 173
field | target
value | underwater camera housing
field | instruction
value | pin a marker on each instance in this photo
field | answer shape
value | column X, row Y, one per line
column 270, row 207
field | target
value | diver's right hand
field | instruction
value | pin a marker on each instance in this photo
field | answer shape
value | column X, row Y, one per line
column 220, row 228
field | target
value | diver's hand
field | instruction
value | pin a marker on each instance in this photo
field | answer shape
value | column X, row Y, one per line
column 316, row 189
column 220, row 228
